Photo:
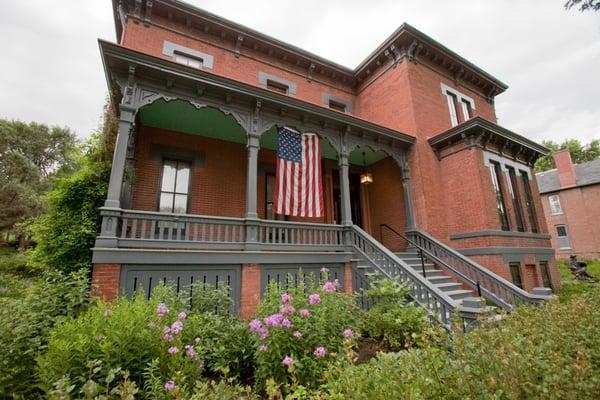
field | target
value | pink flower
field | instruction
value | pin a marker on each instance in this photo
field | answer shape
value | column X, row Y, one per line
column 255, row 325
column 286, row 298
column 297, row 334
column 274, row 320
column 262, row 348
column 329, row 287
column 314, row 299
column 176, row 327
column 287, row 309
column 167, row 337
column 107, row 313
column 286, row 323
column 190, row 351
column 170, row 385
column 173, row 350
column 348, row 332
column 320, row 352
column 324, row 270
column 304, row 313
column 161, row 310
column 182, row 315
column 287, row 360
column 263, row 333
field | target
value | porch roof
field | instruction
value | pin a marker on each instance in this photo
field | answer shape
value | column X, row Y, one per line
column 118, row 60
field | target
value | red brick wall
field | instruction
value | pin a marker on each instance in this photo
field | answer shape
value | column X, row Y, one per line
column 581, row 215
column 105, row 281
column 250, row 290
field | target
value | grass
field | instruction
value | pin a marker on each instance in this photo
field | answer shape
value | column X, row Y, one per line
column 571, row 287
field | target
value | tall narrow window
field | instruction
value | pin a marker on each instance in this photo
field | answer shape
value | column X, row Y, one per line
column 453, row 108
column 496, row 182
column 515, row 273
column 545, row 270
column 174, row 190
column 467, row 109
column 555, row 207
column 529, row 202
column 562, row 237
column 516, row 199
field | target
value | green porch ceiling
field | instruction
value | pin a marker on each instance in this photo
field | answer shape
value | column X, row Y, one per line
column 181, row 116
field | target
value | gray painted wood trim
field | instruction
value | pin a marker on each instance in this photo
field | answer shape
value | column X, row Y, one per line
column 327, row 97
column 484, row 251
column 474, row 234
column 263, row 77
column 174, row 257
column 170, row 48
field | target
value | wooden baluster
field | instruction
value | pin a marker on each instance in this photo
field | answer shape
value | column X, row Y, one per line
column 152, row 233
column 226, row 234
column 170, row 226
column 143, row 231
column 219, row 237
column 195, row 232
column 161, row 229
column 124, row 228
column 210, row 232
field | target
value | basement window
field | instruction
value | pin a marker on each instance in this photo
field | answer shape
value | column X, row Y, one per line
column 277, row 86
column 187, row 59
column 337, row 106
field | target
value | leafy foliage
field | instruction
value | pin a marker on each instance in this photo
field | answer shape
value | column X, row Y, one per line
column 579, row 153
column 66, row 233
column 30, row 156
column 584, row 5
column 25, row 322
column 317, row 315
column 551, row 352
column 571, row 287
column 393, row 319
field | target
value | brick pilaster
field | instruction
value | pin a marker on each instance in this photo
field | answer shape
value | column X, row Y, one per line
column 106, row 280
column 348, row 277
column 250, row 290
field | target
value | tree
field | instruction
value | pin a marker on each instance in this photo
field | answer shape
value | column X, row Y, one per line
column 65, row 234
column 584, row 5
column 31, row 157
column 579, row 153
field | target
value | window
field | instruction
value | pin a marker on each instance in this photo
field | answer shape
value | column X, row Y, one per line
column 496, row 182
column 336, row 105
column 187, row 59
column 174, row 189
column 562, row 237
column 545, row 270
column 460, row 106
column 529, row 202
column 555, row 207
column 513, row 188
column 277, row 86
column 515, row 273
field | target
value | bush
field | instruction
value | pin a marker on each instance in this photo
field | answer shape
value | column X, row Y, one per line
column 25, row 322
column 551, row 352
column 299, row 331
column 395, row 321
column 158, row 342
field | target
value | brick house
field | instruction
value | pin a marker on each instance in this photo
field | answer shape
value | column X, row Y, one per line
column 571, row 201
column 191, row 190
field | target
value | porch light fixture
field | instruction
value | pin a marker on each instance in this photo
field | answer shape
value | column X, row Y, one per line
column 366, row 177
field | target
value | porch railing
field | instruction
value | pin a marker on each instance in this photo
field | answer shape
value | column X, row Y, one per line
column 491, row 286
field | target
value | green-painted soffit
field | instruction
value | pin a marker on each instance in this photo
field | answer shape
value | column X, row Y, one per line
column 181, row 116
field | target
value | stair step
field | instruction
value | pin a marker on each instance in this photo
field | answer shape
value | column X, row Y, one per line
column 407, row 254
column 419, row 266
column 439, row 279
column 448, row 286
column 431, row 272
column 459, row 294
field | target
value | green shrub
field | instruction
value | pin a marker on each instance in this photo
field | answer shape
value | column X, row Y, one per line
column 317, row 315
column 551, row 352
column 393, row 319
column 16, row 263
column 25, row 322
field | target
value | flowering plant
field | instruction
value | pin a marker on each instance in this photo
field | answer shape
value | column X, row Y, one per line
column 299, row 329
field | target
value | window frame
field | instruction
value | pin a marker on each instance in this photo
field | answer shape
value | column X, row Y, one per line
column 545, row 273
column 337, row 106
column 175, row 193
column 179, row 54
column 515, row 272
column 513, row 189
column 277, row 87
column 496, row 175
column 529, row 204
column 457, row 100
column 554, row 204
column 563, row 239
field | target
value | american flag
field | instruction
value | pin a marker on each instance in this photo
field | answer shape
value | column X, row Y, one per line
column 298, row 183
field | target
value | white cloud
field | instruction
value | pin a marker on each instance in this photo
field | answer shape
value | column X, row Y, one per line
column 51, row 70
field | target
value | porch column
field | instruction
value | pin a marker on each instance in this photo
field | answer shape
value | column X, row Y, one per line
column 408, row 204
column 345, row 189
column 126, row 118
column 252, row 223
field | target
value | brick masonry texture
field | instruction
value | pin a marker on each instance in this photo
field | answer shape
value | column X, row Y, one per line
column 450, row 195
column 105, row 281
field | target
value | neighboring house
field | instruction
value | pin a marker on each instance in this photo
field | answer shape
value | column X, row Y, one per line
column 410, row 148
column 571, row 200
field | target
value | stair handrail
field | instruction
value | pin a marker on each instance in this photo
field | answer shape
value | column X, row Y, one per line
column 507, row 294
column 434, row 300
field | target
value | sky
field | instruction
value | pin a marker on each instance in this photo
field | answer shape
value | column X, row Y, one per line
column 51, row 71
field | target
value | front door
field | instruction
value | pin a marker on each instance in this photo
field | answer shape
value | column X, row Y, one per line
column 355, row 205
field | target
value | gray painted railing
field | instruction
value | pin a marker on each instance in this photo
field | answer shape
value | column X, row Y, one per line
column 292, row 235
column 491, row 286
column 439, row 305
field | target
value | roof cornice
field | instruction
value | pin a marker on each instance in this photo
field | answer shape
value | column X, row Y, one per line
column 406, row 42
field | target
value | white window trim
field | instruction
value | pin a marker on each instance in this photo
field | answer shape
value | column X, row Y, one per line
column 558, row 238
column 169, row 49
column 560, row 210
column 459, row 97
column 505, row 162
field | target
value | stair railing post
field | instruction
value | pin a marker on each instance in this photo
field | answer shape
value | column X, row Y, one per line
column 422, row 263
